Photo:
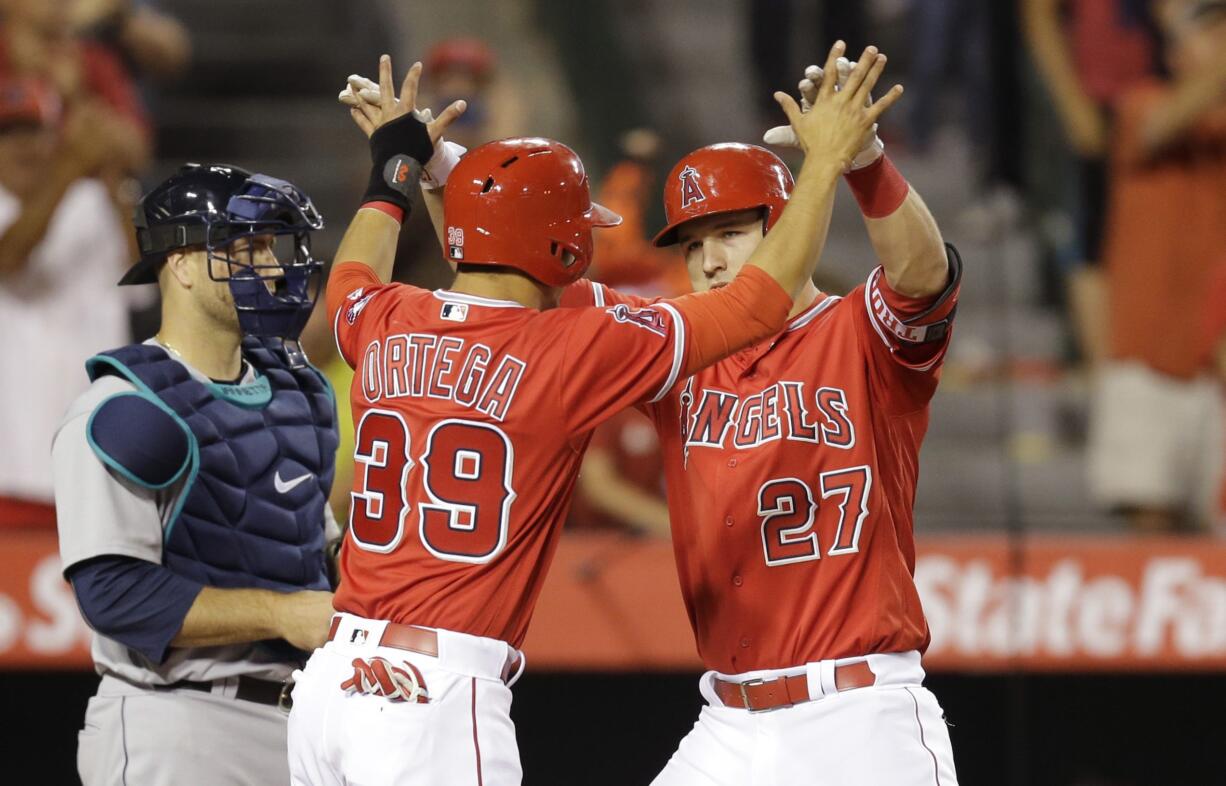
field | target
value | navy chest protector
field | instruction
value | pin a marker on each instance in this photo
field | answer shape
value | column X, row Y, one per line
column 257, row 460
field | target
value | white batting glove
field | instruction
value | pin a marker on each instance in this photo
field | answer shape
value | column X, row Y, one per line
column 784, row 136
column 434, row 174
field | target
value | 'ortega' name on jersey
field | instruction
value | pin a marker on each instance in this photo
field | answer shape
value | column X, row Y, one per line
column 448, row 368
column 713, row 418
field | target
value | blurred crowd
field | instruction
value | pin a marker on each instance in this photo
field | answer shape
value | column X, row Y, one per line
column 75, row 134
column 1140, row 92
column 1137, row 89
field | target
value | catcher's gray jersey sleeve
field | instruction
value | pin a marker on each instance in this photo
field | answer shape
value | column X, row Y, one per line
column 98, row 511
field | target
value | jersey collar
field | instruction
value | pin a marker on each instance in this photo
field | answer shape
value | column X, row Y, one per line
column 811, row 313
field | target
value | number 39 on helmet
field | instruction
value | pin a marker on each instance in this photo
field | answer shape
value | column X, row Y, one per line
column 525, row 204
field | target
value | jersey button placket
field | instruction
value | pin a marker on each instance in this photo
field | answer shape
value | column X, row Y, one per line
column 731, row 463
column 728, row 521
column 737, row 581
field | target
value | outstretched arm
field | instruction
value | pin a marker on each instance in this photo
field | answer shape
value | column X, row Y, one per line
column 396, row 130
column 830, row 134
column 900, row 227
column 906, row 238
column 360, row 92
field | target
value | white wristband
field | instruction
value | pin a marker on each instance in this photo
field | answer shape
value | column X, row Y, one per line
column 438, row 168
column 869, row 153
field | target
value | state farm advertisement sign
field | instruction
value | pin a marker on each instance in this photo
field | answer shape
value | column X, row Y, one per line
column 40, row 626
column 1049, row 603
column 993, row 603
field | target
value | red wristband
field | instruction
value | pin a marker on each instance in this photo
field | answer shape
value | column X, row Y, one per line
column 879, row 188
column 395, row 211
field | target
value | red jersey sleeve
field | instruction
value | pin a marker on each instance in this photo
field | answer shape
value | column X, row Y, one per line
column 352, row 287
column 616, row 357
column 584, row 293
column 905, row 338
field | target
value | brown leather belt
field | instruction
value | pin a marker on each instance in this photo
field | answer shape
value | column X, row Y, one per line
column 420, row 640
column 778, row 692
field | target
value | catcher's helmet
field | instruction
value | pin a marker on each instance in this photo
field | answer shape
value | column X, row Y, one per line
column 724, row 178
column 524, row 204
column 213, row 205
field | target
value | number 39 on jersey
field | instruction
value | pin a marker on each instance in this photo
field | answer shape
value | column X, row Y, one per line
column 465, row 468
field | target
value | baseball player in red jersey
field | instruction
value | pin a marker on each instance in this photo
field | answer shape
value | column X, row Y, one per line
column 791, row 470
column 473, row 407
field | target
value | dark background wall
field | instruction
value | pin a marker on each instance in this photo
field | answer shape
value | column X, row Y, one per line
column 619, row 730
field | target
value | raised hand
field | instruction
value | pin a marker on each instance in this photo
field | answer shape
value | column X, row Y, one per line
column 371, row 105
column 841, row 94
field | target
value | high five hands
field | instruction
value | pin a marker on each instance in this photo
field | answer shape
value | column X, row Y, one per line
column 373, row 105
column 840, row 93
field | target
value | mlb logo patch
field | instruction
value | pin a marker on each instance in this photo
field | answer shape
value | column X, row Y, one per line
column 454, row 312
column 358, row 636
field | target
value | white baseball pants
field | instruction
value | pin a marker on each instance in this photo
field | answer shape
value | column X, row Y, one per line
column 890, row 734
column 462, row 736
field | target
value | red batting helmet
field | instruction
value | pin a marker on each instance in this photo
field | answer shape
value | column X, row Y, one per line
column 523, row 203
column 724, row 179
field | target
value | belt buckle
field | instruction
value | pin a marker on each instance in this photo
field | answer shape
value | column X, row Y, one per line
column 285, row 699
column 755, row 682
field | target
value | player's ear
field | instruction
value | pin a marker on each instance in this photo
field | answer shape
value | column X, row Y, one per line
column 178, row 270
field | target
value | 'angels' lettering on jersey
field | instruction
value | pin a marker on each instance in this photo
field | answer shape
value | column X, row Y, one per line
column 448, row 368
column 711, row 418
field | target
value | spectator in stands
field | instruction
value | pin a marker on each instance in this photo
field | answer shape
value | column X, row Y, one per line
column 37, row 40
column 1087, row 53
column 625, row 257
column 1155, row 435
column 62, row 247
column 621, row 485
column 775, row 61
column 150, row 43
column 459, row 68
column 937, row 25
column 1215, row 351
column 467, row 68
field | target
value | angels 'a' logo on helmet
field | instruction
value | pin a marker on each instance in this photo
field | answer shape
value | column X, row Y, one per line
column 691, row 192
